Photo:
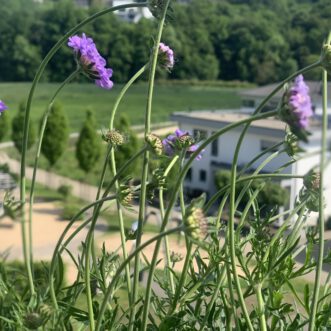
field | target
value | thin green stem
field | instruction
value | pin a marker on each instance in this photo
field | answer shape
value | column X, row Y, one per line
column 57, row 249
column 319, row 264
column 122, row 93
column 114, row 171
column 261, row 307
column 36, row 79
column 122, row 229
column 89, row 240
column 36, row 161
column 166, row 241
column 144, row 176
column 122, row 267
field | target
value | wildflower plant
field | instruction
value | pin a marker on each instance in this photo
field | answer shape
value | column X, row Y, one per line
column 237, row 272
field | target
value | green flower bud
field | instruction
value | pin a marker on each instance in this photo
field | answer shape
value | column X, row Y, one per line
column 186, row 141
column 326, row 58
column 33, row 320
column 176, row 257
column 291, row 144
column 154, row 143
column 312, row 180
column 195, row 222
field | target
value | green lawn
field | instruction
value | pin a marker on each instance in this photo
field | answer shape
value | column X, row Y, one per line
column 76, row 98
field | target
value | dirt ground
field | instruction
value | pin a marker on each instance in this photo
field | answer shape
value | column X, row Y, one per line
column 48, row 226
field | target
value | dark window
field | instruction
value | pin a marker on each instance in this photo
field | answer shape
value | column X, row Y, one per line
column 199, row 134
column 203, row 175
column 265, row 144
column 214, row 147
column 248, row 103
column 189, row 175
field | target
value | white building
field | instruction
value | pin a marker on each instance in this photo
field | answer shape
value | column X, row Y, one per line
column 261, row 135
column 133, row 15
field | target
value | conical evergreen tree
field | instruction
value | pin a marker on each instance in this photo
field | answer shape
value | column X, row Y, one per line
column 88, row 147
column 17, row 129
column 56, row 134
column 4, row 125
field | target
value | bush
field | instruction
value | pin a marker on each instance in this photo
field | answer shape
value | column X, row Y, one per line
column 70, row 210
column 65, row 191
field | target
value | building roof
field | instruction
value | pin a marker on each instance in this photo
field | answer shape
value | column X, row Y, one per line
column 221, row 118
column 315, row 88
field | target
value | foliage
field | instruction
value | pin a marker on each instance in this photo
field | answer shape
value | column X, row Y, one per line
column 17, row 129
column 65, row 191
column 56, row 134
column 129, row 148
column 229, row 40
column 4, row 126
column 270, row 196
column 70, row 210
column 88, row 147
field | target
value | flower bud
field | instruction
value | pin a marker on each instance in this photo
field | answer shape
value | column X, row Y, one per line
column 326, row 58
column 312, row 180
column 176, row 257
column 195, row 222
column 291, row 144
column 113, row 137
column 154, row 143
column 33, row 320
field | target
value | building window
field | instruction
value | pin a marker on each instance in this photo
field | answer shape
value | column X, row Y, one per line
column 214, row 147
column 203, row 175
column 265, row 144
column 248, row 103
column 199, row 134
column 189, row 175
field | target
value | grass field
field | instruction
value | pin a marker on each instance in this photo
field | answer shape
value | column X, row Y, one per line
column 76, row 98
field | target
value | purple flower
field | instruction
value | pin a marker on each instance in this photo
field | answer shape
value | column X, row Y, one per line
column 90, row 60
column 2, row 106
column 177, row 142
column 166, row 55
column 296, row 108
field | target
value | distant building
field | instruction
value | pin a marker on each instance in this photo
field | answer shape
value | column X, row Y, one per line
column 133, row 15
column 261, row 135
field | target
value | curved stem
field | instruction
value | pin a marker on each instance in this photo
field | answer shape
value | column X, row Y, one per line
column 36, row 161
column 122, row 93
column 114, row 171
column 104, row 198
column 144, row 176
column 319, row 264
column 36, row 79
column 122, row 267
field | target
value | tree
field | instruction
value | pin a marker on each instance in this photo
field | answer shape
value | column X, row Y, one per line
column 17, row 129
column 56, row 134
column 88, row 147
column 271, row 195
column 4, row 125
column 129, row 148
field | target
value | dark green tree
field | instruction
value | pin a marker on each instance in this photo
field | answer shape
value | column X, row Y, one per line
column 88, row 147
column 17, row 129
column 56, row 134
column 129, row 148
column 4, row 125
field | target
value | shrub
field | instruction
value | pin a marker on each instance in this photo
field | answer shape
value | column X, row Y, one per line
column 69, row 211
column 65, row 191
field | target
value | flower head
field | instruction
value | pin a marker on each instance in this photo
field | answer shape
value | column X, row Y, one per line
column 179, row 141
column 154, row 143
column 326, row 57
column 2, row 106
column 91, row 62
column 113, row 137
column 166, row 56
column 296, row 108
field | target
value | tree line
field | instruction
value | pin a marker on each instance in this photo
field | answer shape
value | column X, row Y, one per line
column 248, row 40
